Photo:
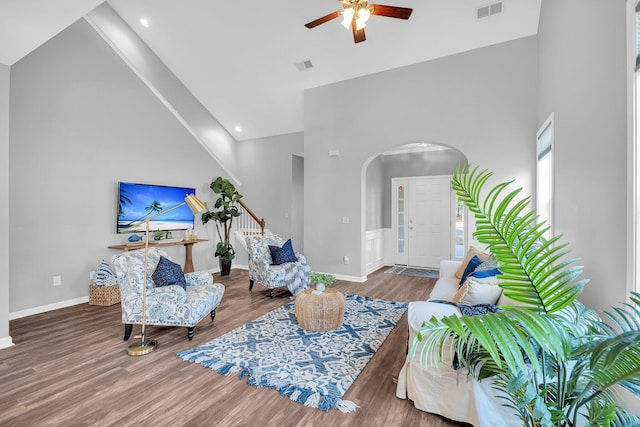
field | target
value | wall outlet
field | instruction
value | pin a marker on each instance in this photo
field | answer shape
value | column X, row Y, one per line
column 345, row 259
column 57, row 280
column 92, row 275
column 345, row 220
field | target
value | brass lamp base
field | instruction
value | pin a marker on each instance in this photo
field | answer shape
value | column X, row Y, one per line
column 141, row 348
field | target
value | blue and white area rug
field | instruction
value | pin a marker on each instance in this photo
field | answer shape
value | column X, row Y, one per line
column 313, row 368
column 414, row 271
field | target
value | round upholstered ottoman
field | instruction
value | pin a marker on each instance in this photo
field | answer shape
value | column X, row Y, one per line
column 322, row 312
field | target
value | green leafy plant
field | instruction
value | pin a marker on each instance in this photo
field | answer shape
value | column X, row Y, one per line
column 557, row 360
column 225, row 210
column 325, row 278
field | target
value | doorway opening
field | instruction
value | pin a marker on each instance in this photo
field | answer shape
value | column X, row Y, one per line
column 421, row 159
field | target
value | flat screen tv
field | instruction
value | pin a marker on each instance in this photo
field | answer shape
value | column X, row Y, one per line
column 137, row 202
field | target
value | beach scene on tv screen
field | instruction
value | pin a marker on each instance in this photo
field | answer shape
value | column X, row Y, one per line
column 137, row 202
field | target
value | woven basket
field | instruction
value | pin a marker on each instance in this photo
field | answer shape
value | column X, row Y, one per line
column 320, row 313
column 104, row 295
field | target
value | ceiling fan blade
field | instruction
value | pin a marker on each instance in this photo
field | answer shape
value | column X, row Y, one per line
column 326, row 18
column 391, row 11
column 358, row 35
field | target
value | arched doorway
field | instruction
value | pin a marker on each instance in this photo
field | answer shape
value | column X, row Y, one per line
column 421, row 159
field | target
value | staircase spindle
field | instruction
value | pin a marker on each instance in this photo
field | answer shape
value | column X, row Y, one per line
column 250, row 224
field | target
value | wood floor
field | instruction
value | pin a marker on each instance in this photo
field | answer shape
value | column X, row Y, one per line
column 69, row 367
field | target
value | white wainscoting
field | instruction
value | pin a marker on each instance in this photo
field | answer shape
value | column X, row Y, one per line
column 378, row 249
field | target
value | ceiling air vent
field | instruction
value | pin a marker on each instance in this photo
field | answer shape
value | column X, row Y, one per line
column 304, row 65
column 489, row 10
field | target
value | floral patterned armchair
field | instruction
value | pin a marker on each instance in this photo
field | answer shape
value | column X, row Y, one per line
column 293, row 275
column 167, row 305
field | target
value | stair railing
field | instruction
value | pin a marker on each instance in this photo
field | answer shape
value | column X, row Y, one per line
column 249, row 224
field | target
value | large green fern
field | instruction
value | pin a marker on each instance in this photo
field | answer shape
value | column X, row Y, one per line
column 534, row 271
column 554, row 357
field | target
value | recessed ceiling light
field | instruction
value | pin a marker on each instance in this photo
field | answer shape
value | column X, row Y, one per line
column 238, row 128
column 144, row 22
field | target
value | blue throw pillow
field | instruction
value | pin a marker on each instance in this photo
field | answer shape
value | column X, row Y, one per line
column 168, row 273
column 470, row 268
column 283, row 254
column 486, row 273
column 486, row 269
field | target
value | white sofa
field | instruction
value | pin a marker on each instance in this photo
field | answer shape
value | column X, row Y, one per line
column 449, row 393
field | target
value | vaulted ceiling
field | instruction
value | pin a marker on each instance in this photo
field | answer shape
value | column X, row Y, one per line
column 240, row 59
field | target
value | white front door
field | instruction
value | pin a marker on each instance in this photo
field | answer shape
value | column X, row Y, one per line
column 429, row 221
column 425, row 223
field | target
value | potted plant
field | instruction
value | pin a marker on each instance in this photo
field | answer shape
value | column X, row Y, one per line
column 321, row 280
column 556, row 359
column 225, row 210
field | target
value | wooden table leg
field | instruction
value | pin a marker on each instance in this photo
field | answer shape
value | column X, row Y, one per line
column 188, row 260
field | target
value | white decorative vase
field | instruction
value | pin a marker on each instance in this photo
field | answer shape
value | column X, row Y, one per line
column 320, row 287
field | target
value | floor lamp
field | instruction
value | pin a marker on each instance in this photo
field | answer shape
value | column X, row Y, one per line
column 145, row 345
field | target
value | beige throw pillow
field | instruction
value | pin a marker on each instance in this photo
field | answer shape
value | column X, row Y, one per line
column 478, row 291
column 470, row 254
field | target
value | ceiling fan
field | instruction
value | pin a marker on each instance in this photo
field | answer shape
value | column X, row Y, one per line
column 356, row 13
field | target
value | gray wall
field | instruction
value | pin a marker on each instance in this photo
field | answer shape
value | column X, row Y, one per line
column 582, row 54
column 209, row 132
column 80, row 122
column 297, row 202
column 266, row 171
column 4, row 205
column 482, row 102
column 431, row 163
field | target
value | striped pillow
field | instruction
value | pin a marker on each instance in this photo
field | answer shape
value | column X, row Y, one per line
column 105, row 275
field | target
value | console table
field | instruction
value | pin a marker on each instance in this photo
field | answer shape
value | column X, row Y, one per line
column 188, row 245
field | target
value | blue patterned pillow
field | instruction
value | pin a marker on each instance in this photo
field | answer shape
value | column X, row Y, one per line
column 105, row 275
column 470, row 268
column 168, row 273
column 486, row 269
column 283, row 254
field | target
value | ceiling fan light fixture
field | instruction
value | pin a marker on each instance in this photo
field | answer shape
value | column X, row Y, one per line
column 348, row 16
column 356, row 13
column 364, row 14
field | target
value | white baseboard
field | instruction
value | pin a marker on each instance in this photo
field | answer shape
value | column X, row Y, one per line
column 233, row 267
column 346, row 278
column 6, row 342
column 337, row 276
column 48, row 307
column 81, row 300
column 356, row 279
